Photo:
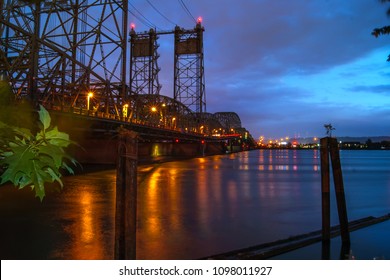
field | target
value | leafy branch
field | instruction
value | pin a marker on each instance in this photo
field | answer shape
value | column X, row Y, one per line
column 385, row 30
column 34, row 160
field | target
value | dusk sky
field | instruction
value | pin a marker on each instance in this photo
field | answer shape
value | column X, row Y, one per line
column 285, row 67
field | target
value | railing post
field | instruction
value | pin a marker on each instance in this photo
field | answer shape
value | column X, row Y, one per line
column 126, row 196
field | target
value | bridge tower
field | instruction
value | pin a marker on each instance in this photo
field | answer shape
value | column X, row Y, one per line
column 56, row 52
column 189, row 81
column 143, row 63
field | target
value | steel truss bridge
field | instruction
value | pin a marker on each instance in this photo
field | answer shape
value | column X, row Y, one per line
column 80, row 57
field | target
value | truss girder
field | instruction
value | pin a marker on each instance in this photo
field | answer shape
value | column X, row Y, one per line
column 160, row 111
column 55, row 52
column 229, row 120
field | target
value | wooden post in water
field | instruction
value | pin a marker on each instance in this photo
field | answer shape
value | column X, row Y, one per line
column 126, row 196
column 325, row 188
column 339, row 186
column 329, row 146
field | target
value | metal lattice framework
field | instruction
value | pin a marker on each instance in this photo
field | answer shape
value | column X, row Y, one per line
column 55, row 52
column 209, row 124
column 161, row 111
column 143, row 63
column 229, row 120
column 189, row 82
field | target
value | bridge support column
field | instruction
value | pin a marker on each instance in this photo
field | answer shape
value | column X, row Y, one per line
column 126, row 196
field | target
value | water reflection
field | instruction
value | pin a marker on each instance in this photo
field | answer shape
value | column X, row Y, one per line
column 87, row 231
column 86, row 240
column 206, row 198
column 83, row 218
column 190, row 209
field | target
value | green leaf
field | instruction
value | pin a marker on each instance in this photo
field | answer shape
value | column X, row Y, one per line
column 54, row 152
column 55, row 176
column 44, row 117
column 15, row 144
column 39, row 177
column 24, row 181
column 57, row 138
column 24, row 132
column 7, row 154
column 65, row 166
column 18, row 161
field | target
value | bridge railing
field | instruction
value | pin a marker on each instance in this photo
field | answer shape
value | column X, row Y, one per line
column 108, row 116
column 204, row 126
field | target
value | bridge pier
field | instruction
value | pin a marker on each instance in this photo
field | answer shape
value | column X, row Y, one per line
column 103, row 151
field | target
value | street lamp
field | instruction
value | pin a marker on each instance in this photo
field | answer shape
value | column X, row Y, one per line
column 90, row 94
column 125, row 110
column 173, row 122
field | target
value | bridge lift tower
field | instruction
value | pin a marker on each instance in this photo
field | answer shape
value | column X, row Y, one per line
column 143, row 63
column 189, row 82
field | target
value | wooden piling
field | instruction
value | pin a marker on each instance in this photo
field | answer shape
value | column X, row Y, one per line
column 339, row 187
column 325, row 188
column 126, row 196
column 329, row 145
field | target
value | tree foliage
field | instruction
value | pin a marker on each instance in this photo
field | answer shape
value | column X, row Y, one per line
column 385, row 30
column 34, row 159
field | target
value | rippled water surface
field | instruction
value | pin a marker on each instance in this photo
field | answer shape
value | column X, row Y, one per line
column 193, row 208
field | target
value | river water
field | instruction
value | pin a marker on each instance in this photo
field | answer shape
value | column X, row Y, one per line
column 192, row 208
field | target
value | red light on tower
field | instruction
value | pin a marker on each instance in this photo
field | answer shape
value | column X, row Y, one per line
column 177, row 140
column 199, row 20
column 202, row 142
column 132, row 26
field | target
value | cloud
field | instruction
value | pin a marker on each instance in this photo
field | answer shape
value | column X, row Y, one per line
column 381, row 89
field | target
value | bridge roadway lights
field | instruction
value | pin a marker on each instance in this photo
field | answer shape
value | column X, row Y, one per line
column 98, row 139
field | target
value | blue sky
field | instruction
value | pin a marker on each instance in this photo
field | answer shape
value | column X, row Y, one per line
column 286, row 67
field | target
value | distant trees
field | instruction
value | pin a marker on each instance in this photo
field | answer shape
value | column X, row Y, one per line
column 383, row 145
column 385, row 30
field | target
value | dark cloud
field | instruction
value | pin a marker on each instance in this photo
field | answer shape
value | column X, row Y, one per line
column 382, row 89
column 309, row 35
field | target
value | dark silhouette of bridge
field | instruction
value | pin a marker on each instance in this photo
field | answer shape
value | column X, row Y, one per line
column 80, row 59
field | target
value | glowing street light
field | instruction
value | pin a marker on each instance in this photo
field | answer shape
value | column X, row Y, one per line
column 154, row 109
column 125, row 110
column 90, row 94
column 173, row 122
